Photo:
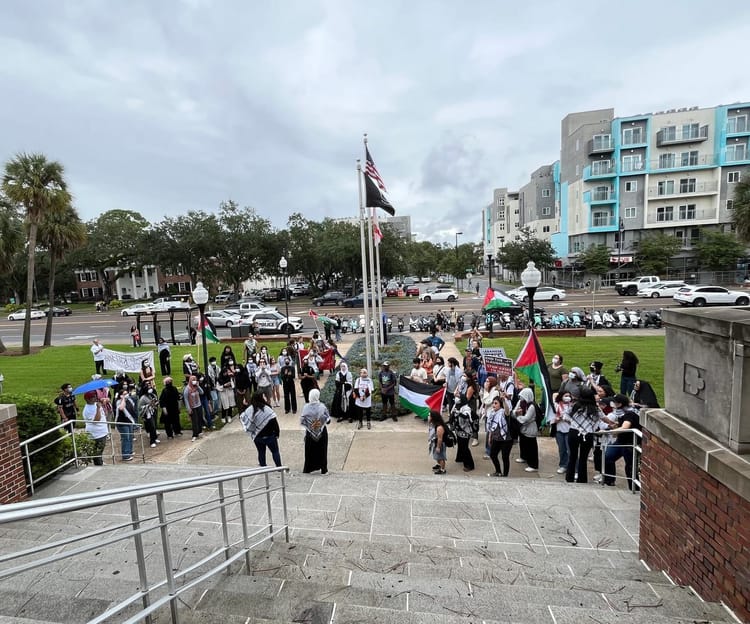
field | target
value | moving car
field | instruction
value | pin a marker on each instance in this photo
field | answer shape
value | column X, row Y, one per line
column 662, row 289
column 701, row 295
column 162, row 304
column 543, row 293
column 332, row 297
column 222, row 318
column 137, row 308
column 358, row 301
column 273, row 322
column 20, row 315
column 58, row 311
column 441, row 293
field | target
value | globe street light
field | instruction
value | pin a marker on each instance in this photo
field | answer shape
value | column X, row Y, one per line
column 200, row 297
column 282, row 266
column 531, row 278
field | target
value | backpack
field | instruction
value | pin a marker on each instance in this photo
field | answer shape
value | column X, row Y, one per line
column 449, row 436
column 539, row 415
column 514, row 427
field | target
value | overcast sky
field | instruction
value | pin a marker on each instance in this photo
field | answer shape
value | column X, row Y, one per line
column 164, row 106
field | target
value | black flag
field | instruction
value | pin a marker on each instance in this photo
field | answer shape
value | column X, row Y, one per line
column 375, row 199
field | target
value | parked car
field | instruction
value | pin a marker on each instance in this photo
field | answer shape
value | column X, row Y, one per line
column 162, row 304
column 391, row 289
column 226, row 297
column 543, row 293
column 137, row 308
column 300, row 289
column 222, row 318
column 332, row 297
column 274, row 294
column 20, row 315
column 662, row 289
column 701, row 295
column 412, row 290
column 58, row 311
column 273, row 322
column 358, row 301
column 441, row 293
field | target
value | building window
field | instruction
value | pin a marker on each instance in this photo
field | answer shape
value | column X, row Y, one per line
column 667, row 161
column 669, row 133
column 629, row 212
column 632, row 162
column 736, row 152
column 695, row 236
column 680, row 235
column 578, row 170
column 545, row 228
column 687, row 185
column 689, row 159
column 500, row 202
column 600, row 219
column 546, row 192
column 730, row 204
column 546, row 211
column 737, row 124
column 665, row 187
column 687, row 211
column 632, row 136
column 631, row 186
column 733, row 176
column 665, row 213
column 601, row 167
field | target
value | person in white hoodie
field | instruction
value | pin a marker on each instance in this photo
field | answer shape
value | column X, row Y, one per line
column 525, row 413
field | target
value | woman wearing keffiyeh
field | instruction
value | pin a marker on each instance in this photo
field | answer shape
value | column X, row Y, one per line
column 259, row 421
column 341, row 407
column 314, row 419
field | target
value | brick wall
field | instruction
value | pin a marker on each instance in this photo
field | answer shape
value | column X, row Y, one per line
column 12, row 479
column 694, row 528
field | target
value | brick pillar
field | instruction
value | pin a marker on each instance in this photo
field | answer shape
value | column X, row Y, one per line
column 12, row 479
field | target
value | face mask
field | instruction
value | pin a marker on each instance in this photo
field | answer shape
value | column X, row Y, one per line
column 283, row 352
column 231, row 363
column 566, row 399
column 572, row 376
column 195, row 383
column 463, row 378
column 612, row 404
column 132, row 393
column 555, row 360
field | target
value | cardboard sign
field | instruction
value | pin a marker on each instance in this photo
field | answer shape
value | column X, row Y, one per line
column 495, row 361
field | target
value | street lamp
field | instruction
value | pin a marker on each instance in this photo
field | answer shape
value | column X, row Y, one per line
column 458, row 279
column 500, row 270
column 621, row 235
column 200, row 296
column 282, row 266
column 489, row 266
column 531, row 278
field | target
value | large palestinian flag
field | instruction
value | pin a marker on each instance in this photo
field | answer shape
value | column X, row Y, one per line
column 418, row 397
column 209, row 331
column 494, row 300
column 531, row 363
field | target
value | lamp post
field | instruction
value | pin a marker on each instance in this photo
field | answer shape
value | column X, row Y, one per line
column 621, row 234
column 458, row 279
column 282, row 266
column 531, row 278
column 489, row 267
column 200, row 296
column 500, row 270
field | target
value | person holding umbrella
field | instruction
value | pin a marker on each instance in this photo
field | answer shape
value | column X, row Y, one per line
column 96, row 424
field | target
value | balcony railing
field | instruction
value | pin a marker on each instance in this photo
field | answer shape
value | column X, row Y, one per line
column 699, row 188
column 603, row 195
column 601, row 145
column 736, row 155
column 738, row 125
column 632, row 166
column 603, row 221
column 672, row 136
column 700, row 214
column 599, row 169
column 702, row 160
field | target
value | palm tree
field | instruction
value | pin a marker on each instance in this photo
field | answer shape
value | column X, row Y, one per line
column 11, row 240
column 38, row 186
column 742, row 209
column 60, row 232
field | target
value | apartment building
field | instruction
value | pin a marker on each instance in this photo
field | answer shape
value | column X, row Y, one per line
column 621, row 178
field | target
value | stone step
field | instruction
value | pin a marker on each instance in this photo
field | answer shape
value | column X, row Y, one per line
column 38, row 604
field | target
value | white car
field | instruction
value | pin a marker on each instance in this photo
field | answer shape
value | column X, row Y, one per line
column 543, row 293
column 164, row 304
column 700, row 296
column 662, row 289
column 273, row 322
column 220, row 318
column 137, row 308
column 441, row 293
column 20, row 315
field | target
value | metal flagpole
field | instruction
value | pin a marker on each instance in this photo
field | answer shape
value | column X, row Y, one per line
column 373, row 285
column 379, row 296
column 364, row 264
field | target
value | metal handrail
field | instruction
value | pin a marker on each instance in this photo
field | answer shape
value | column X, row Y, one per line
column 177, row 579
column 637, row 450
column 27, row 454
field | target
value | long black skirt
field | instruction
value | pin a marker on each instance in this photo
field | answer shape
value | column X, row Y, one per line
column 316, row 453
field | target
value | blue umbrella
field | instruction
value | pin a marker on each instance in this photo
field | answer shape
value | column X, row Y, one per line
column 94, row 385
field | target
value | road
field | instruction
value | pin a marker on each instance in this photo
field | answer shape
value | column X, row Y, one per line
column 112, row 328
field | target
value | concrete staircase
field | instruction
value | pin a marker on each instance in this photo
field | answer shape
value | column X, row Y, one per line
column 375, row 548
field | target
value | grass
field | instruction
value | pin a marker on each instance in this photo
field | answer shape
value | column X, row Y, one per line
column 41, row 373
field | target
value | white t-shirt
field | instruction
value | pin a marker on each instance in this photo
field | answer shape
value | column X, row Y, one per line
column 419, row 374
column 97, row 429
column 364, row 389
column 97, row 350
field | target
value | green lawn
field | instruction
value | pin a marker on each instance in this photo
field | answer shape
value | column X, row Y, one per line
column 42, row 373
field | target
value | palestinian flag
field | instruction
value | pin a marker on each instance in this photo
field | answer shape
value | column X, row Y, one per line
column 531, row 363
column 329, row 358
column 209, row 332
column 495, row 300
column 418, row 397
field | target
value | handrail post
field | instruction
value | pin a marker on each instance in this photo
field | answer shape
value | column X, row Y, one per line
column 164, row 530
column 283, row 502
column 140, row 557
column 243, row 515
column 27, row 457
column 224, row 527
column 268, row 505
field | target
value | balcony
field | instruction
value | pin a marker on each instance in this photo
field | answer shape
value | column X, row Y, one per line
column 700, row 214
column 600, row 169
column 600, row 221
column 673, row 135
column 601, row 145
column 699, row 188
column 736, row 154
column 738, row 126
column 602, row 196
column 632, row 167
column 701, row 161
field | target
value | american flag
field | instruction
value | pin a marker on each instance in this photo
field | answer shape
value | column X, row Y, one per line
column 372, row 171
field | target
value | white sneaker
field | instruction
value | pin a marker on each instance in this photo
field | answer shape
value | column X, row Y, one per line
column 598, row 478
column 158, row 441
column 530, row 469
column 475, row 442
column 194, row 438
column 153, row 445
column 520, row 461
column 561, row 470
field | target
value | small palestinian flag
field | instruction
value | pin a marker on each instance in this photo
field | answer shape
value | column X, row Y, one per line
column 420, row 398
column 209, row 333
column 495, row 300
column 531, row 363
